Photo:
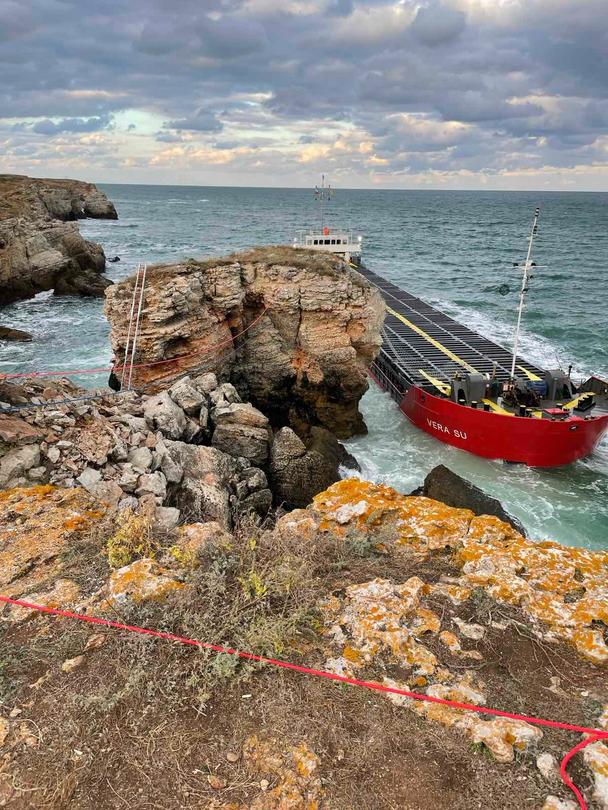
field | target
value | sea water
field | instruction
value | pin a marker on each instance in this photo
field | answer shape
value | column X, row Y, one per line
column 454, row 249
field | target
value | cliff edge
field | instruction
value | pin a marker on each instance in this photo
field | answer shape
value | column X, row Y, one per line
column 41, row 247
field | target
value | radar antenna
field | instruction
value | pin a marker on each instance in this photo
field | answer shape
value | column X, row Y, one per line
column 323, row 194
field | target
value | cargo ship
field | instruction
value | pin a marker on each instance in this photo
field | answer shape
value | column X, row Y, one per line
column 466, row 390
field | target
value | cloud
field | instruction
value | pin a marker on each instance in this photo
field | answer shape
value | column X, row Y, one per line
column 202, row 121
column 460, row 87
column 437, row 24
column 46, row 126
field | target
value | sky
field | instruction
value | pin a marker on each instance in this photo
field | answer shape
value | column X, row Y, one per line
column 468, row 94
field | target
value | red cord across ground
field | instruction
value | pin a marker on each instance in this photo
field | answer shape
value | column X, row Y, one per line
column 595, row 734
column 78, row 372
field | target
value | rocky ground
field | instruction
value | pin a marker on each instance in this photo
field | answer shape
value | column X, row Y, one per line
column 401, row 590
column 40, row 245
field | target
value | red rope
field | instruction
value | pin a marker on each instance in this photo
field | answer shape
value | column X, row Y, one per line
column 596, row 734
column 74, row 372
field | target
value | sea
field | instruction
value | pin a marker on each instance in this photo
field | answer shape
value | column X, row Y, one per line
column 455, row 249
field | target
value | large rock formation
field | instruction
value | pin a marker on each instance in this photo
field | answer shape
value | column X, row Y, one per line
column 442, row 484
column 293, row 330
column 40, row 247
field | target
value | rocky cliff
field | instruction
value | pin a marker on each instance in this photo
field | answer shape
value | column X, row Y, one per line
column 40, row 246
column 308, row 327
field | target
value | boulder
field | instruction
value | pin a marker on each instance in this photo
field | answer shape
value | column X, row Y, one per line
column 17, row 335
column 184, row 394
column 15, row 464
column 446, row 486
column 243, row 441
column 299, row 470
column 163, row 414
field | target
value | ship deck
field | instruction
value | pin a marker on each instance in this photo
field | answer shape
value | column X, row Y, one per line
column 426, row 347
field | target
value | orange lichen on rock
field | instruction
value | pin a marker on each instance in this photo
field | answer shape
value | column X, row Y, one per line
column 36, row 526
column 564, row 588
column 294, row 769
column 139, row 582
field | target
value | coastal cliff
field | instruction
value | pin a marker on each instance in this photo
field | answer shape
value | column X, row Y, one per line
column 308, row 327
column 41, row 247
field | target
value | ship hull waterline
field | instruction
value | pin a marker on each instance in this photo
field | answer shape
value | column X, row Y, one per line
column 516, row 439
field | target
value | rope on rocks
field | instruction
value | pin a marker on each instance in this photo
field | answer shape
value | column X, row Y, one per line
column 99, row 370
column 595, row 735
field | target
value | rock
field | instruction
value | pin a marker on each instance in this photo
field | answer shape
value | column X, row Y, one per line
column 184, row 394
column 140, row 458
column 555, row 803
column 16, row 335
column 162, row 414
column 108, row 492
column 239, row 413
column 312, row 328
column 446, row 486
column 153, row 484
column 37, row 473
column 299, row 472
column 53, row 454
column 89, row 478
column 204, row 491
column 114, row 259
column 547, row 765
column 140, row 581
column 254, row 478
column 167, row 518
column 596, row 759
column 206, row 383
column 243, row 441
column 63, row 594
column 259, row 502
column 17, row 462
column 193, row 540
column 14, row 430
column 70, row 664
column 41, row 250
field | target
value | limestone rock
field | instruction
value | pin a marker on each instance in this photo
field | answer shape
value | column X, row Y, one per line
column 252, row 443
column 140, row 581
column 184, row 394
column 39, row 248
column 311, row 325
column 15, row 335
column 161, row 413
column 17, row 462
column 299, row 471
column 446, row 486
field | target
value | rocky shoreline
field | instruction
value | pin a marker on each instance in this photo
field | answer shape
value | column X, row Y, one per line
column 41, row 247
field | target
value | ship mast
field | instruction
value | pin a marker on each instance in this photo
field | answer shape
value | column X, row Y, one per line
column 527, row 267
column 323, row 194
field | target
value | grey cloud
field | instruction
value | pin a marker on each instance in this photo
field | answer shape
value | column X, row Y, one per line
column 437, row 24
column 48, row 127
column 201, row 121
column 71, row 65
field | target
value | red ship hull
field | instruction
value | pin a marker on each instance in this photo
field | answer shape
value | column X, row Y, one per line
column 524, row 440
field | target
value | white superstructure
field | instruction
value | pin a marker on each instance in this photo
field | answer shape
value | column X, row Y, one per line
column 331, row 240
column 326, row 239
